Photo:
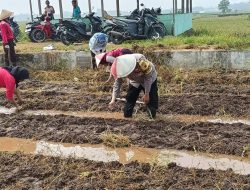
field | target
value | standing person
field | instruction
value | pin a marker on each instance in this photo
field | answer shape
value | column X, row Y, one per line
column 142, row 75
column 49, row 10
column 7, row 38
column 9, row 79
column 109, row 57
column 97, row 45
column 76, row 10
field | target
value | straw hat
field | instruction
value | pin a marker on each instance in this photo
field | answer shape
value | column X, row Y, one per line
column 145, row 66
column 5, row 14
column 99, row 58
column 123, row 66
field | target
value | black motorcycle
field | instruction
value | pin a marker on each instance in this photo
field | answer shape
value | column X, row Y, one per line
column 15, row 28
column 146, row 27
column 72, row 31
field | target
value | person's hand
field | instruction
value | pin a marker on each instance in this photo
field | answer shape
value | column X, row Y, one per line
column 146, row 98
column 112, row 105
column 7, row 46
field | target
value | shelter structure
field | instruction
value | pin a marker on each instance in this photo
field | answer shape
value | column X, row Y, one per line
column 177, row 22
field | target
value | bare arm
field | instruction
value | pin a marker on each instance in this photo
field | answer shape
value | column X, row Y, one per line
column 17, row 92
column 116, row 89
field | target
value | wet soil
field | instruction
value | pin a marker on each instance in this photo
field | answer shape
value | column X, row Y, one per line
column 231, row 139
column 184, row 88
column 207, row 92
column 194, row 104
column 37, row 172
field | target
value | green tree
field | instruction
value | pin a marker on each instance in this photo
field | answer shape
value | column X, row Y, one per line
column 224, row 6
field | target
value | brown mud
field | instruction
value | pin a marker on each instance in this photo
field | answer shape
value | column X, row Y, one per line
column 38, row 172
column 126, row 155
column 194, row 104
column 233, row 139
column 216, row 94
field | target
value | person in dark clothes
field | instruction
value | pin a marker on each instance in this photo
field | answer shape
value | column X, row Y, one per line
column 142, row 75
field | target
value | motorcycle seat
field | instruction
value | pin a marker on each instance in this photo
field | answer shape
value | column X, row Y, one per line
column 128, row 20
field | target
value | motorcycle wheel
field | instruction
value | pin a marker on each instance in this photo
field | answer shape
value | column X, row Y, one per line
column 116, row 39
column 156, row 32
column 164, row 28
column 107, row 30
column 30, row 37
column 38, row 35
column 65, row 40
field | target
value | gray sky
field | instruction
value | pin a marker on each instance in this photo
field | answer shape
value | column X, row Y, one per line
column 22, row 6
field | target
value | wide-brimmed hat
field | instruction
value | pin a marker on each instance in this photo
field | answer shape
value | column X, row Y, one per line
column 99, row 58
column 123, row 66
column 5, row 14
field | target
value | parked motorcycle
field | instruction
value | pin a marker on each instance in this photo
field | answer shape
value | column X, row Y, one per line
column 15, row 28
column 39, row 30
column 136, row 14
column 30, row 26
column 146, row 27
column 71, row 31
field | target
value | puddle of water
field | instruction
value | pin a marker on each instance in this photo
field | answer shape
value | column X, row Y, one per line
column 229, row 121
column 106, row 115
column 7, row 111
column 219, row 162
column 116, row 115
column 124, row 155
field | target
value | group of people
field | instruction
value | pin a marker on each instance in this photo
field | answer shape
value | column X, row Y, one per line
column 49, row 10
column 120, row 62
column 123, row 63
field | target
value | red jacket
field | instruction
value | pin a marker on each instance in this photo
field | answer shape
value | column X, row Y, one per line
column 6, row 32
column 7, row 81
column 115, row 53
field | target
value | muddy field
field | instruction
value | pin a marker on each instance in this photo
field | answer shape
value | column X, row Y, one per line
column 37, row 172
column 205, row 137
column 200, row 94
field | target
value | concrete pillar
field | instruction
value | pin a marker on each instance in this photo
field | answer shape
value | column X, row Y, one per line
column 191, row 6
column 138, row 4
column 90, row 8
column 118, row 7
column 61, row 9
column 31, row 11
column 173, row 24
column 102, row 8
column 187, row 6
column 39, row 7
column 176, row 7
column 183, row 6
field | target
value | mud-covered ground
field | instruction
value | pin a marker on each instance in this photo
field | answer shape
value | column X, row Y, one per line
column 38, row 172
column 206, row 93
column 181, row 92
column 205, row 137
column 195, row 104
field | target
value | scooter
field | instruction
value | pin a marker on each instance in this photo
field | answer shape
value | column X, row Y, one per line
column 30, row 26
column 146, row 27
column 42, row 31
column 71, row 31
